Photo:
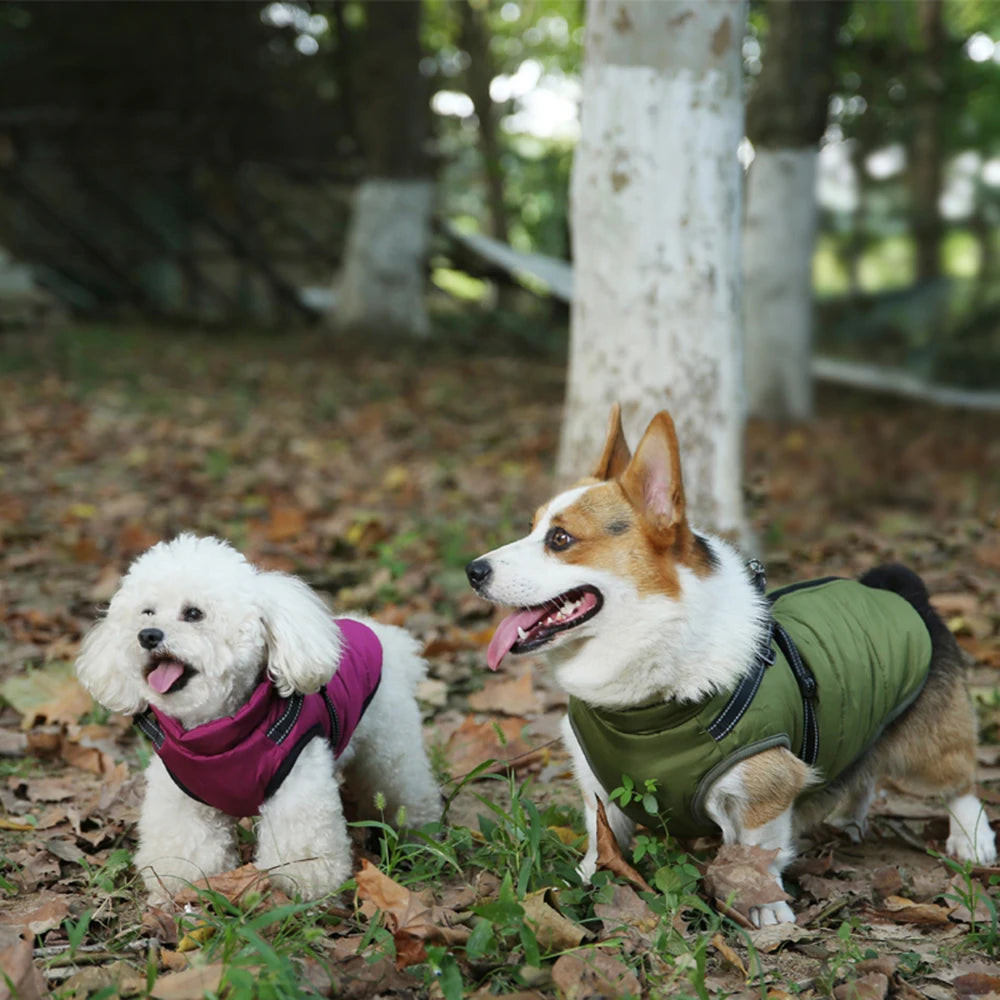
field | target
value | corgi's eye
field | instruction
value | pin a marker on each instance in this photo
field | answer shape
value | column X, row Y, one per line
column 558, row 539
column 192, row 614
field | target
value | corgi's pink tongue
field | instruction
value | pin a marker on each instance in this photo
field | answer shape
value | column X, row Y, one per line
column 165, row 675
column 507, row 633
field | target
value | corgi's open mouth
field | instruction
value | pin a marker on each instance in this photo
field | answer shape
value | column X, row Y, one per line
column 164, row 673
column 530, row 628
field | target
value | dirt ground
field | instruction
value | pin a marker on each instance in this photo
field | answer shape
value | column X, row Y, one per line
column 376, row 477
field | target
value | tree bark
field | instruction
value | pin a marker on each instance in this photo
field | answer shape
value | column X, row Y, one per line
column 924, row 155
column 655, row 215
column 476, row 42
column 786, row 117
column 381, row 287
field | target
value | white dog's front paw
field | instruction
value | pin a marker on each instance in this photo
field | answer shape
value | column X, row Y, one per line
column 771, row 913
column 971, row 837
column 310, row 879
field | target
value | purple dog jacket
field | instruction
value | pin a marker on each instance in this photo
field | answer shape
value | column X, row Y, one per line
column 235, row 763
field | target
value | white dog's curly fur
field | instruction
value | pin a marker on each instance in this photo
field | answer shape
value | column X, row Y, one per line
column 251, row 620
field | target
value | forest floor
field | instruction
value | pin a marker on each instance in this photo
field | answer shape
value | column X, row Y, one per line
column 376, row 476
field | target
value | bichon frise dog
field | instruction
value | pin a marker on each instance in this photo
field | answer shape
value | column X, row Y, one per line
column 256, row 699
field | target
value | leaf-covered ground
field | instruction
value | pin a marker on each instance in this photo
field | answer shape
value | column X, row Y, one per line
column 376, row 475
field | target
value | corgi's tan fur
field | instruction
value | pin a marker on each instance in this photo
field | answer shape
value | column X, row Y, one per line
column 640, row 607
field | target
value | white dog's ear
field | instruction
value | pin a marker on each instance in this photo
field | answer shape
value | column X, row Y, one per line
column 303, row 639
column 99, row 668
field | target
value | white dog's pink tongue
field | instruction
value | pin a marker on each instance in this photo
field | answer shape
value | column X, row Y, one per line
column 165, row 675
column 507, row 634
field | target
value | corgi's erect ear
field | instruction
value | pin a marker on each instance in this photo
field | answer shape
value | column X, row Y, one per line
column 652, row 480
column 616, row 454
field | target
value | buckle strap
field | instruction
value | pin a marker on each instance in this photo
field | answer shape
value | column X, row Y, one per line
column 334, row 718
column 745, row 691
column 758, row 575
column 807, row 686
column 147, row 723
column 283, row 725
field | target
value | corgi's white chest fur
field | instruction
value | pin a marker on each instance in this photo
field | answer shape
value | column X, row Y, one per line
column 641, row 646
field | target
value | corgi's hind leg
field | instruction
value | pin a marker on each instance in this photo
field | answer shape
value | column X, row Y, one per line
column 932, row 752
column 753, row 804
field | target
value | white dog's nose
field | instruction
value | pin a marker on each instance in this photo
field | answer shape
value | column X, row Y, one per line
column 150, row 638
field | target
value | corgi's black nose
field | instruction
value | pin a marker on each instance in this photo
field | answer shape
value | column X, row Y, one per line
column 150, row 638
column 479, row 571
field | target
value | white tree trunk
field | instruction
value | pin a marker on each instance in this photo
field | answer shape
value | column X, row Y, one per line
column 656, row 209
column 381, row 286
column 778, row 238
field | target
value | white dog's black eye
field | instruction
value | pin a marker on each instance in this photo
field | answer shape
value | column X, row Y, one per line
column 558, row 539
column 148, row 611
column 192, row 614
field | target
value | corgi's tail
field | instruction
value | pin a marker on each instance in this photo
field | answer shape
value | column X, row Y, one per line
column 903, row 581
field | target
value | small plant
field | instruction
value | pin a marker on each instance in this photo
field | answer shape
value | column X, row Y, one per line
column 261, row 949
column 103, row 877
column 969, row 892
column 627, row 793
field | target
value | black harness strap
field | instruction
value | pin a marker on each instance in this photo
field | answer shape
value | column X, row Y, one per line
column 741, row 698
column 283, row 725
column 807, row 685
column 148, row 724
column 747, row 688
column 334, row 718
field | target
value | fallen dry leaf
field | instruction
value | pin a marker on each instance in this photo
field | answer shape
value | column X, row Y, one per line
column 191, row 984
column 609, row 854
column 594, row 973
column 731, row 956
column 977, row 984
column 234, row 885
column 511, row 697
column 38, row 914
column 874, row 986
column 474, row 743
column 411, row 920
column 552, row 930
column 18, row 970
column 906, row 911
column 739, row 876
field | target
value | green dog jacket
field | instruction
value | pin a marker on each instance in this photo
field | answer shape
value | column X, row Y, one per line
column 869, row 653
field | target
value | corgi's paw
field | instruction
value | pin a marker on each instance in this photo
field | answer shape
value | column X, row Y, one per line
column 970, row 837
column 771, row 913
column 855, row 831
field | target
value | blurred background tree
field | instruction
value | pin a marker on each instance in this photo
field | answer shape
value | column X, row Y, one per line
column 202, row 163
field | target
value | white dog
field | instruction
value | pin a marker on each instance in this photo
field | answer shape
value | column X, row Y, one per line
column 257, row 699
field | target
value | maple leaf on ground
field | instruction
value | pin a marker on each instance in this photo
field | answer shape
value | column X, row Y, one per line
column 409, row 918
column 739, row 878
column 609, row 854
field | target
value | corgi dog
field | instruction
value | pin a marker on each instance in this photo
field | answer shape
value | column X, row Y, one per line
column 748, row 714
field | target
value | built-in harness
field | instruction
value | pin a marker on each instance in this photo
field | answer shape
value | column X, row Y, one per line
column 837, row 658
column 237, row 762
